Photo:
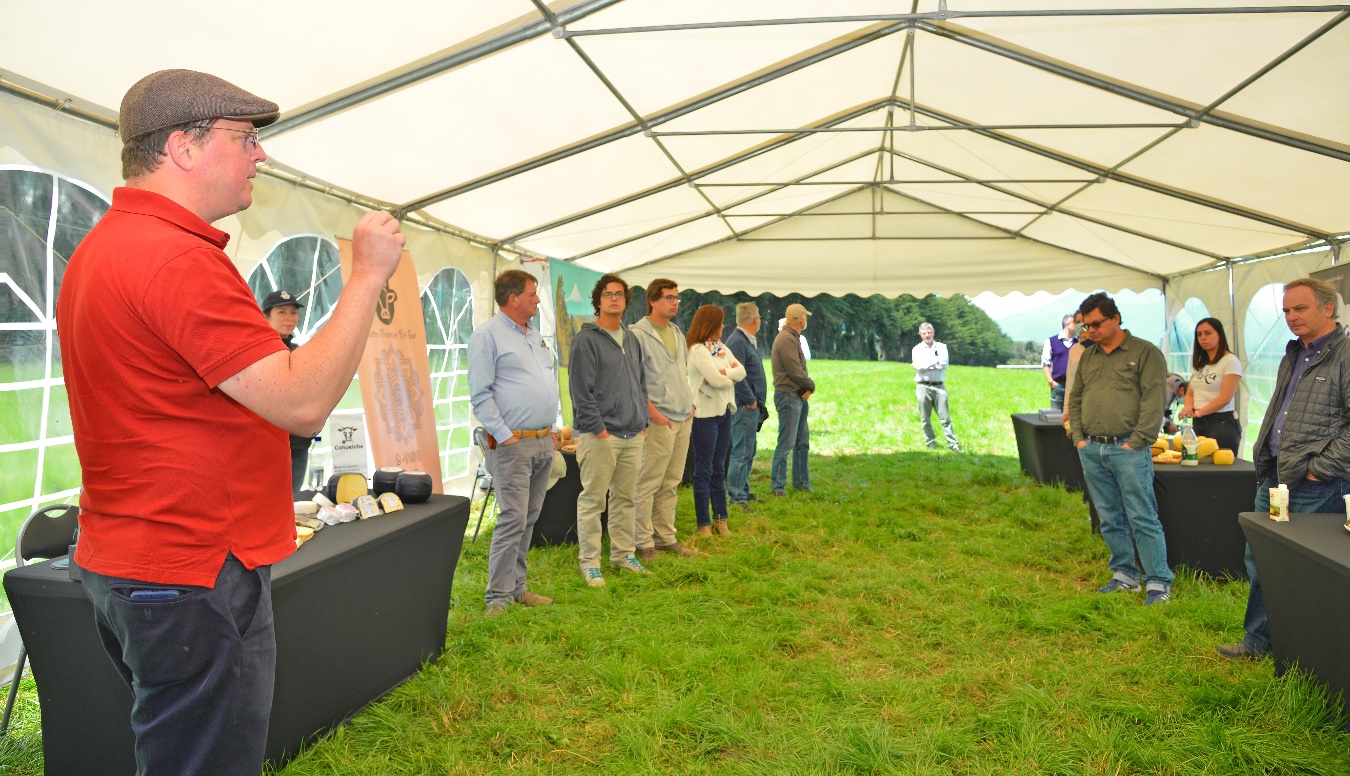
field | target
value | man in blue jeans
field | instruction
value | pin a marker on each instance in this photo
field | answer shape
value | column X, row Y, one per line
column 791, row 389
column 751, row 394
column 1115, row 411
column 1305, row 437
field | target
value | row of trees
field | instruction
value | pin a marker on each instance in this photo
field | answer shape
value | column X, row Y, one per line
column 856, row 328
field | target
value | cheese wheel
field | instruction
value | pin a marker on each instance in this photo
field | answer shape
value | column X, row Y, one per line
column 1158, row 447
column 1207, row 448
column 1176, row 442
column 342, row 488
column 389, row 502
column 1223, row 457
column 306, row 508
column 366, row 505
column 413, row 487
column 323, row 500
column 384, row 479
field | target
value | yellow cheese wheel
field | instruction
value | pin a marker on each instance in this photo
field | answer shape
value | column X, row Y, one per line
column 1176, row 442
column 1159, row 447
column 1223, row 457
column 1207, row 447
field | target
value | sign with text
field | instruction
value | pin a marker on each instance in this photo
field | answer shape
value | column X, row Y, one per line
column 348, row 433
column 396, row 376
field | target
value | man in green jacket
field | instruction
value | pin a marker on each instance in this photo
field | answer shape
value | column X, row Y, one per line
column 1115, row 411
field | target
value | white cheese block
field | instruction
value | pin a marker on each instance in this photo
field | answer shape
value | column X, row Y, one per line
column 306, row 508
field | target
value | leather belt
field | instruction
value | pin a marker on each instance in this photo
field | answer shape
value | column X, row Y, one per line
column 531, row 433
column 1109, row 440
column 937, row 384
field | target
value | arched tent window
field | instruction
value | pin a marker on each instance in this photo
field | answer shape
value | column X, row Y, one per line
column 308, row 266
column 1181, row 336
column 447, row 309
column 42, row 218
column 1265, row 335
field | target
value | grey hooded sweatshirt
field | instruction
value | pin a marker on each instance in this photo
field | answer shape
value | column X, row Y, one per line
column 667, row 375
column 608, row 384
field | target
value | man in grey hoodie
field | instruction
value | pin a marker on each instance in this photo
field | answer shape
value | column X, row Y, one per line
column 670, row 405
column 609, row 413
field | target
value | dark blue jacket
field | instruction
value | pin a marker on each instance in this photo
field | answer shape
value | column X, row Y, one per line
column 754, row 388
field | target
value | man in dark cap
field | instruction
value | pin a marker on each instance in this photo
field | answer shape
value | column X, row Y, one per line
column 282, row 310
column 181, row 397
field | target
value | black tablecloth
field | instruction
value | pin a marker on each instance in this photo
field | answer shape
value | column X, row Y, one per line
column 1304, row 566
column 1199, row 507
column 557, row 522
column 358, row 610
column 1046, row 452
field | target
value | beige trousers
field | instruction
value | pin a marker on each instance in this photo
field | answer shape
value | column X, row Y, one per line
column 663, row 459
column 608, row 465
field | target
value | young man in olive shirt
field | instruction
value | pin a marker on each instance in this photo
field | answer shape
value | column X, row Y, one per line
column 1115, row 411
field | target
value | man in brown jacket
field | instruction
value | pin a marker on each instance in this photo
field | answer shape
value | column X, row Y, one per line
column 791, row 388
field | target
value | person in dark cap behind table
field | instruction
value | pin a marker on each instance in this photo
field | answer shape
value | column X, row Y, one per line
column 180, row 398
column 282, row 309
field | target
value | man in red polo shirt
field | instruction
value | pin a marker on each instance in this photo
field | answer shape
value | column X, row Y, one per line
column 181, row 397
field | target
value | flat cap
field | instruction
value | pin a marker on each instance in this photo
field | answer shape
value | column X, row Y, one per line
column 171, row 97
column 796, row 311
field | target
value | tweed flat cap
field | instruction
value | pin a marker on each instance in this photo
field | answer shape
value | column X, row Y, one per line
column 171, row 97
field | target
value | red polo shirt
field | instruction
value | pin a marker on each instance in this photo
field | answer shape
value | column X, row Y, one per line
column 152, row 317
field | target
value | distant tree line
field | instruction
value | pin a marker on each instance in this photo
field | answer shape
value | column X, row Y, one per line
column 854, row 328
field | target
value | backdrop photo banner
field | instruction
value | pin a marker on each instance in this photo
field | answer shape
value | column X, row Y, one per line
column 396, row 376
column 571, row 301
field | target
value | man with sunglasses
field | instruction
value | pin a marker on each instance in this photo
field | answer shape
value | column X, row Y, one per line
column 181, row 397
column 1115, row 410
column 670, row 412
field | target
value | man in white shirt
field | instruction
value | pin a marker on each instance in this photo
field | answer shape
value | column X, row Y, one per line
column 930, row 367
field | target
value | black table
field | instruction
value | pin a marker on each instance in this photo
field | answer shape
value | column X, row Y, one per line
column 557, row 523
column 359, row 609
column 1304, row 566
column 1046, row 452
column 1198, row 507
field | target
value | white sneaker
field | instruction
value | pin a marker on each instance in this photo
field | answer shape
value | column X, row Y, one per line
column 593, row 577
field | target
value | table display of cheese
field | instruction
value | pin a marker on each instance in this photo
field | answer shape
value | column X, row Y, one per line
column 1167, row 450
column 350, row 497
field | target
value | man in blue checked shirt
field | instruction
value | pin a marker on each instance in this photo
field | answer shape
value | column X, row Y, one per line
column 514, row 392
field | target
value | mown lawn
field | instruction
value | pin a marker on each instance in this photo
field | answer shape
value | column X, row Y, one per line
column 919, row 613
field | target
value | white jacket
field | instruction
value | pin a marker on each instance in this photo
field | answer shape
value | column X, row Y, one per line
column 714, row 392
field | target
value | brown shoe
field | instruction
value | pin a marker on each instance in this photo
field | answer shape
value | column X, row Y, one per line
column 646, row 553
column 677, row 549
column 530, row 598
column 720, row 525
column 705, row 530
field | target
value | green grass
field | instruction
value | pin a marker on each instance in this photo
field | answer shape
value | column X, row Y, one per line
column 920, row 613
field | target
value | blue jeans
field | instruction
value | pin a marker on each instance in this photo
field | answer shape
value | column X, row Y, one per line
column 1306, row 497
column 711, row 437
column 793, row 437
column 1057, row 397
column 1121, row 484
column 744, row 427
column 200, row 663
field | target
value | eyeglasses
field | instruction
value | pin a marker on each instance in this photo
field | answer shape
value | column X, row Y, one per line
column 611, row 295
column 250, row 135
column 1094, row 325
column 671, row 298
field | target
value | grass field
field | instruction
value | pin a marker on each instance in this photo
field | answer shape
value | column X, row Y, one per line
column 919, row 613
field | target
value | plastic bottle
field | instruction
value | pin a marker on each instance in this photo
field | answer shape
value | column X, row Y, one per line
column 1190, row 446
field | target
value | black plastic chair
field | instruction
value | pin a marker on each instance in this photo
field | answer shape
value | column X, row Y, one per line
column 482, row 478
column 47, row 533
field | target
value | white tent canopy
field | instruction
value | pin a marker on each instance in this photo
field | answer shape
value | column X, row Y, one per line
column 857, row 146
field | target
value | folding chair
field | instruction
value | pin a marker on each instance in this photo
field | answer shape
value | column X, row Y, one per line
column 47, row 533
column 483, row 478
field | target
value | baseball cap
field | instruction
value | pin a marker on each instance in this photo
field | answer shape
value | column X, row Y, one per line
column 170, row 97
column 796, row 311
column 279, row 299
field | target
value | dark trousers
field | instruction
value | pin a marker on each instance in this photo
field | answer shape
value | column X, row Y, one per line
column 711, row 438
column 201, row 666
column 1223, row 427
